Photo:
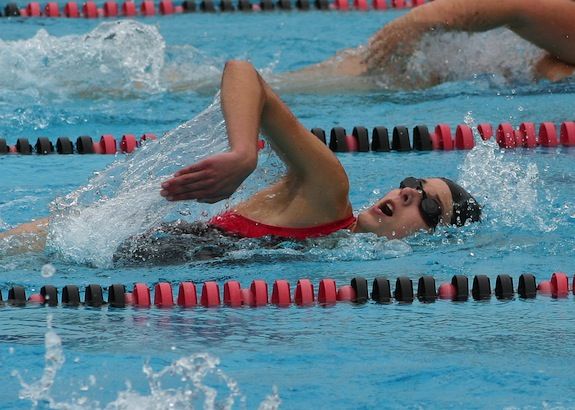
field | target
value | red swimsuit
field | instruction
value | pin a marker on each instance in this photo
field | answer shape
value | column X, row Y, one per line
column 236, row 224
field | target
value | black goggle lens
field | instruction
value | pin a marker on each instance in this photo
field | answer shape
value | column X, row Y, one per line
column 430, row 209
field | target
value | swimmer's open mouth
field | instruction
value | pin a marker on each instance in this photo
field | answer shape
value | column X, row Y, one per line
column 387, row 209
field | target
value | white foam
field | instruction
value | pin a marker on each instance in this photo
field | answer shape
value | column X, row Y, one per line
column 116, row 57
column 509, row 190
column 498, row 56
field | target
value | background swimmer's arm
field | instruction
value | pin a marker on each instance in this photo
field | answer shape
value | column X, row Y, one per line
column 546, row 23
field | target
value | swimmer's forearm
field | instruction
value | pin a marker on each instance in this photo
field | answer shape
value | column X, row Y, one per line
column 465, row 15
column 242, row 102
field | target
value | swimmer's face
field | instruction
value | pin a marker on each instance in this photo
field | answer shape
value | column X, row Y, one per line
column 399, row 214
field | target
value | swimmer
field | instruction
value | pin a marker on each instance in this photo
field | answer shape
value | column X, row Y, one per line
column 548, row 24
column 310, row 200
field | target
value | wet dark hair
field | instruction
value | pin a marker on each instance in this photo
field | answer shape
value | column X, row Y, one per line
column 465, row 206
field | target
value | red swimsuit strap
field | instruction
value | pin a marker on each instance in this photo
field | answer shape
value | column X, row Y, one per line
column 236, row 224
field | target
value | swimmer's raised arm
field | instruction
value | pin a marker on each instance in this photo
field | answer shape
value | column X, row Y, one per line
column 249, row 105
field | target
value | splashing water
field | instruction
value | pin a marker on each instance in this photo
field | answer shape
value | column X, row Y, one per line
column 54, row 360
column 116, row 57
column 121, row 58
column 188, row 376
column 441, row 57
column 88, row 224
column 507, row 190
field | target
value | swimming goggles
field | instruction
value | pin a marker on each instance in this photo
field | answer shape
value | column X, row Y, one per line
column 430, row 208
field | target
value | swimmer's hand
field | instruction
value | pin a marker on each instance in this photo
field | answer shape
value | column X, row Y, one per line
column 210, row 180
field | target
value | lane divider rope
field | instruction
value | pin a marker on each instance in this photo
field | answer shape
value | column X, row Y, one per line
column 258, row 295
column 112, row 9
column 422, row 139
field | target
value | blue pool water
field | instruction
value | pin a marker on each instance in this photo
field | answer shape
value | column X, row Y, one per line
column 64, row 77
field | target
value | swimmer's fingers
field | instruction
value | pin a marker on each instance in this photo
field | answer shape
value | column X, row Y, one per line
column 194, row 168
column 209, row 180
column 198, row 186
column 195, row 190
column 188, row 182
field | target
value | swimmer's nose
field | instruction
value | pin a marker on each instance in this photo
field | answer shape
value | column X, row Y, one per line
column 408, row 196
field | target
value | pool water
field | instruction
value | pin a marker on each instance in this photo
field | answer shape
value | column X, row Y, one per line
column 79, row 77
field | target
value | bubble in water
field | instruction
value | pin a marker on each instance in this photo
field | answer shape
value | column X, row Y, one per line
column 48, row 270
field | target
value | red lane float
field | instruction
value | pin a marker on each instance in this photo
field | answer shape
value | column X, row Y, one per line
column 559, row 285
column 485, row 131
column 129, row 8
column 128, row 143
column 187, row 296
column 505, row 136
column 163, row 296
column 232, row 293
column 567, row 134
column 281, row 294
column 259, row 291
column 110, row 9
column 90, row 10
column 210, row 294
column 108, row 144
column 52, row 10
column 379, row 4
column 141, row 295
column 528, row 137
column 443, row 133
column 33, row 10
column 464, row 137
column 327, row 293
column 547, row 135
column 304, row 293
column 147, row 8
column 166, row 7
column 71, row 10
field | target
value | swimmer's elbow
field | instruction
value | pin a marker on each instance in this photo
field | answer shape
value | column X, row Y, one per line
column 233, row 65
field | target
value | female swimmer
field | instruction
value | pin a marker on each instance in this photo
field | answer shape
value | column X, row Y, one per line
column 311, row 200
